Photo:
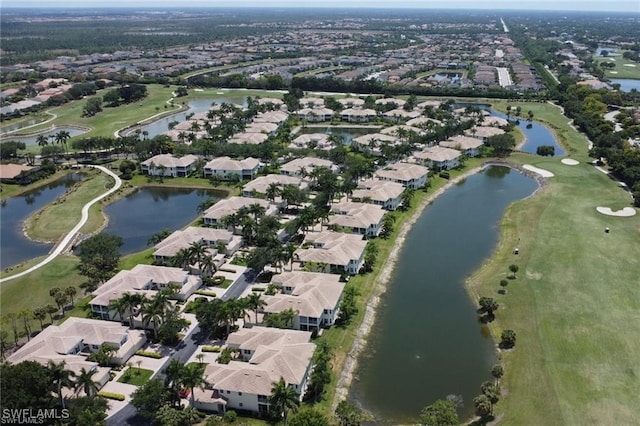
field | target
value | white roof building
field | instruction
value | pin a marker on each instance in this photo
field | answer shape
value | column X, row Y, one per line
column 337, row 251
column 382, row 193
column 169, row 165
column 360, row 218
column 260, row 184
column 439, row 157
column 408, row 175
column 306, row 164
column 214, row 214
column 225, row 168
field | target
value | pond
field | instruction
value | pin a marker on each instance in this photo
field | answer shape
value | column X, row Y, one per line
column 17, row 248
column 536, row 133
column 49, row 133
column 427, row 342
column 626, row 84
column 149, row 210
column 347, row 133
column 199, row 105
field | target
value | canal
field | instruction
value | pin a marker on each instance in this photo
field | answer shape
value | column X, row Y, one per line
column 426, row 343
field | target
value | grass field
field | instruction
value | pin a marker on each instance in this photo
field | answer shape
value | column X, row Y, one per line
column 32, row 291
column 575, row 303
column 59, row 217
column 624, row 68
column 135, row 376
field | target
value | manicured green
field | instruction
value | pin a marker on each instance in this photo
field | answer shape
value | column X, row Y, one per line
column 144, row 257
column 135, row 376
column 574, row 303
column 624, row 68
column 58, row 218
column 32, row 290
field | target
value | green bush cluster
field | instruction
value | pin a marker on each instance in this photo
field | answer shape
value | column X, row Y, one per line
column 111, row 395
column 211, row 349
column 149, row 354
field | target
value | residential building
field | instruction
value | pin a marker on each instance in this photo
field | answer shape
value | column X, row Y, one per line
column 267, row 354
column 359, row 218
column 315, row 115
column 183, row 239
column 213, row 215
column 357, row 115
column 76, row 338
column 227, row 169
column 334, row 252
column 260, row 184
column 145, row 280
column 408, row 175
column 485, row 132
column 468, row 146
column 168, row 165
column 317, row 140
column 385, row 194
column 300, row 167
column 314, row 296
column 439, row 157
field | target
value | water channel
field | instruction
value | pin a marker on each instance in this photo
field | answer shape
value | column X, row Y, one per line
column 426, row 342
column 17, row 248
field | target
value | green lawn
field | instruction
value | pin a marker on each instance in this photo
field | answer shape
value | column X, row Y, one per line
column 59, row 217
column 32, row 291
column 135, row 376
column 624, row 68
column 575, row 303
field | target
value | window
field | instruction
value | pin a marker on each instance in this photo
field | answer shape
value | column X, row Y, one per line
column 239, row 393
column 240, row 404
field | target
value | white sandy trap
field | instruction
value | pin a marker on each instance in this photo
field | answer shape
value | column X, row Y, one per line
column 629, row 65
column 569, row 161
column 625, row 212
column 541, row 172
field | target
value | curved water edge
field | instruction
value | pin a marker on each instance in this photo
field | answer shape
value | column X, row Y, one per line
column 383, row 279
column 29, row 138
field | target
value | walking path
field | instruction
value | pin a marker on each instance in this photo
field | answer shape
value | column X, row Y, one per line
column 62, row 245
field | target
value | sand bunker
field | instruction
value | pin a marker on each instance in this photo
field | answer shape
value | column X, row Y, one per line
column 626, row 212
column 629, row 65
column 541, row 172
column 569, row 161
column 613, row 72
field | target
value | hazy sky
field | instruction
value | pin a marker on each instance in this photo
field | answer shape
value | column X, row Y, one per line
column 586, row 5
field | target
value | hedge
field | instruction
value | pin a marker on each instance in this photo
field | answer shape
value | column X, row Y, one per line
column 211, row 349
column 111, row 395
column 206, row 293
column 149, row 354
column 258, row 289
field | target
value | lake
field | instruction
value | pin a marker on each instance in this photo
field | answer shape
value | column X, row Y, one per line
column 426, row 342
column 49, row 133
column 149, row 210
column 626, row 84
column 17, row 248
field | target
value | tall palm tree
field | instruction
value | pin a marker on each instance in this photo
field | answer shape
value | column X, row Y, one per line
column 172, row 379
column 273, row 190
column 60, row 377
column 120, row 306
column 40, row 314
column 155, row 311
column 42, row 140
column 71, row 291
column 84, row 382
column 289, row 252
column 257, row 211
column 132, row 301
column 193, row 377
column 284, row 398
column 198, row 252
column 181, row 259
column 26, row 315
column 255, row 302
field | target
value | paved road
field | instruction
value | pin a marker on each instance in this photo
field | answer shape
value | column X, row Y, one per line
column 127, row 415
column 238, row 287
column 71, row 235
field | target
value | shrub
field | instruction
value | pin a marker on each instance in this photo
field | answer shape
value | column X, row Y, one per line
column 111, row 395
column 218, row 279
column 206, row 293
column 149, row 354
column 546, row 150
column 508, row 339
column 444, row 175
column 258, row 289
column 230, row 416
column 215, row 349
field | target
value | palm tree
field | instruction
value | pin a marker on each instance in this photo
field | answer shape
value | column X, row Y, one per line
column 40, row 314
column 273, row 190
column 61, row 137
column 71, row 292
column 50, row 309
column 193, row 377
column 255, row 302
column 84, row 382
column 172, row 379
column 256, row 210
column 132, row 301
column 284, row 398
column 120, row 306
column 60, row 377
column 42, row 140
column 289, row 254
column 197, row 253
column 181, row 259
column 26, row 315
